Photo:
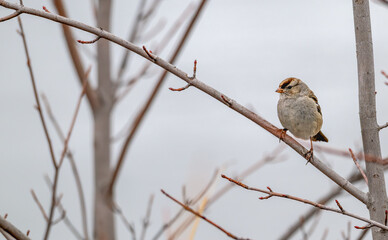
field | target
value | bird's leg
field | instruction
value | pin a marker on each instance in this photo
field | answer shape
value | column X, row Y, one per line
column 282, row 134
column 309, row 155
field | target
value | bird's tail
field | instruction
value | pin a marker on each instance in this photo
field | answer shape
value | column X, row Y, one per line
column 320, row 137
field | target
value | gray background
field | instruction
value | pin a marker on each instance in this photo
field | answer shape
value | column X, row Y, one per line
column 244, row 49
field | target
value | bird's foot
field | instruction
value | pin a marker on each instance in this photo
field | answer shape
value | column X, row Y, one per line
column 282, row 134
column 309, row 155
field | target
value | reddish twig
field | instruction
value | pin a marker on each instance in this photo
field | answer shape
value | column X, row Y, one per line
column 89, row 42
column 39, row 205
column 180, row 89
column 358, row 166
column 317, row 205
column 339, row 206
column 149, row 54
column 386, row 215
column 385, row 75
column 187, row 208
column 364, row 227
column 188, row 85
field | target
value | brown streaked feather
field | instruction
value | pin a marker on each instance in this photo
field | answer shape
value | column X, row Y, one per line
column 320, row 137
column 311, row 95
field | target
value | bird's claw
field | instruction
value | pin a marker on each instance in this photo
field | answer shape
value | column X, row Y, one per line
column 282, row 134
column 309, row 155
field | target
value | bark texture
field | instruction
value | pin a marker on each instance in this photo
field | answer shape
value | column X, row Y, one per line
column 377, row 199
column 103, row 214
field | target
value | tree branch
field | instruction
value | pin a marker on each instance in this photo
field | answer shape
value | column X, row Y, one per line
column 12, row 230
column 203, row 87
column 314, row 204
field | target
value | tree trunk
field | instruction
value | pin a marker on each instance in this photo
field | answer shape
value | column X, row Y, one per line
column 377, row 202
column 104, row 225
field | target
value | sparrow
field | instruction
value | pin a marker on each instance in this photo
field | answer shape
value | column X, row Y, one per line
column 299, row 112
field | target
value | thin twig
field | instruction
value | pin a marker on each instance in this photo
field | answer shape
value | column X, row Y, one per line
column 72, row 163
column 358, row 166
column 61, row 209
column 89, row 42
column 318, row 205
column 383, row 126
column 128, row 225
column 12, row 15
column 38, row 106
column 39, row 205
column 146, row 220
column 131, row 38
column 187, row 208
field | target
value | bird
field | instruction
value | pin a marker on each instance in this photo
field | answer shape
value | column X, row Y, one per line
column 299, row 112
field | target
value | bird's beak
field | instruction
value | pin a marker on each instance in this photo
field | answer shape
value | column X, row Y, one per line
column 279, row 90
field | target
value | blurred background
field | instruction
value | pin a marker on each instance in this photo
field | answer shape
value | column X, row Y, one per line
column 244, row 49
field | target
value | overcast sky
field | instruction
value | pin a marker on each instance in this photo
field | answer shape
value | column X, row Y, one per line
column 244, row 49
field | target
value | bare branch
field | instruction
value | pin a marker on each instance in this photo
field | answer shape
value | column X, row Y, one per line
column 39, row 205
column 73, row 168
column 146, row 220
column 358, row 166
column 314, row 204
column 12, row 230
column 131, row 38
column 128, row 225
column 159, row 48
column 75, row 56
column 187, row 208
column 145, row 108
column 12, row 15
column 38, row 106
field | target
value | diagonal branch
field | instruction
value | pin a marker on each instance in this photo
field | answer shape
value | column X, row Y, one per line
column 204, row 88
column 151, row 98
column 314, row 204
column 12, row 230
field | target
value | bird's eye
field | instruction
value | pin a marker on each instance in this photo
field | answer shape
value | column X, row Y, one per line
column 289, row 87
